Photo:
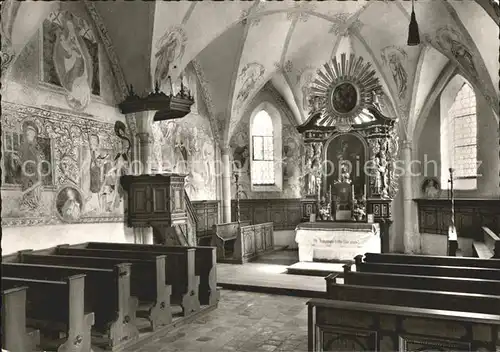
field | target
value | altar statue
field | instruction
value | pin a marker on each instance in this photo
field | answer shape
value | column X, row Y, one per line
column 344, row 174
column 325, row 209
column 310, row 178
column 383, row 170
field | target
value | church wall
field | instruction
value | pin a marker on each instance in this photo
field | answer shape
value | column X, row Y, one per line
column 292, row 147
column 58, row 115
column 428, row 148
column 396, row 230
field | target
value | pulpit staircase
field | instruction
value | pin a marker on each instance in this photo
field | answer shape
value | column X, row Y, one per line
column 185, row 235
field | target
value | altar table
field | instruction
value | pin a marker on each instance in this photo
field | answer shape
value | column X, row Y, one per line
column 336, row 241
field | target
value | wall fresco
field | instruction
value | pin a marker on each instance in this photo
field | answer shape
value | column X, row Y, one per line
column 71, row 57
column 44, row 151
column 186, row 146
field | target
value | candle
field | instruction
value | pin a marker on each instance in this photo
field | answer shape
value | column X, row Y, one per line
column 364, row 192
column 352, row 188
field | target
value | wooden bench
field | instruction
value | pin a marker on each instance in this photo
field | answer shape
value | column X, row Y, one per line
column 426, row 270
column 253, row 241
column 458, row 301
column 15, row 335
column 393, row 258
column 107, row 293
column 179, row 271
column 205, row 263
column 224, row 238
column 431, row 283
column 57, row 307
column 146, row 285
column 489, row 247
column 355, row 326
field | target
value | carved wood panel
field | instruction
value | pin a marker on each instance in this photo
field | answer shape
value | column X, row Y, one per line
column 470, row 216
column 285, row 214
column 208, row 215
column 349, row 327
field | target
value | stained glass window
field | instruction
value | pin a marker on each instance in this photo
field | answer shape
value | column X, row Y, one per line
column 461, row 134
column 263, row 150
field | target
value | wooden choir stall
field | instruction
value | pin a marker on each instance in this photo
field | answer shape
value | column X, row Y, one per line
column 351, row 144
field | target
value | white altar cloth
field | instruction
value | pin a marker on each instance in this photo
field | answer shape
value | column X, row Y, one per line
column 336, row 241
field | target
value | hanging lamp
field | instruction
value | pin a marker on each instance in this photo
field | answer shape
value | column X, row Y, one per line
column 413, row 36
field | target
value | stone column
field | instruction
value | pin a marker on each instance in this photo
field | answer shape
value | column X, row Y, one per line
column 226, row 184
column 144, row 137
column 411, row 239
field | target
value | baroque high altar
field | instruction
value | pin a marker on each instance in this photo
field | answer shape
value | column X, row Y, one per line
column 350, row 148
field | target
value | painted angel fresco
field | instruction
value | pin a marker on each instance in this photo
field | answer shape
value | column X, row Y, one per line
column 170, row 48
column 393, row 57
column 73, row 63
column 71, row 57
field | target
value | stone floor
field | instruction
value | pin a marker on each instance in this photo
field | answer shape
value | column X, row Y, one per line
column 243, row 322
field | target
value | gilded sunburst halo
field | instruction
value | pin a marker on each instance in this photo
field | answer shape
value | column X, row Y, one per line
column 344, row 90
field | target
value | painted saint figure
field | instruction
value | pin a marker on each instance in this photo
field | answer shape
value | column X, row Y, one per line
column 30, row 158
column 93, row 174
column 399, row 74
column 71, row 208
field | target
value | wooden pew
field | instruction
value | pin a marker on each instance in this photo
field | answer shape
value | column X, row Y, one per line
column 57, row 307
column 353, row 326
column 107, row 293
column 489, row 247
column 431, row 283
column 205, row 263
column 426, row 270
column 146, row 285
column 393, row 258
column 179, row 271
column 457, row 301
column 15, row 336
column 224, row 238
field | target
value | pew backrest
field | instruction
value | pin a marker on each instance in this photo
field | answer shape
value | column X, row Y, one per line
column 456, row 301
column 429, row 270
column 339, row 326
column 431, row 283
column 393, row 258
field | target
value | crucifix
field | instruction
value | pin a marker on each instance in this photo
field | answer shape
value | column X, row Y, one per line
column 452, row 231
column 236, row 179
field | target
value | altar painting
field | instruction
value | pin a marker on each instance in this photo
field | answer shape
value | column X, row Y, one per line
column 345, row 160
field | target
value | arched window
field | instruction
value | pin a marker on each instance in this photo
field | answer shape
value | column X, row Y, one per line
column 262, row 170
column 459, row 138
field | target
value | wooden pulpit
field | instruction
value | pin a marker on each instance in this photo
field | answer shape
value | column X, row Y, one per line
column 155, row 201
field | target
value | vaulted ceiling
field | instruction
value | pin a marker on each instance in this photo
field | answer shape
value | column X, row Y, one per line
column 239, row 46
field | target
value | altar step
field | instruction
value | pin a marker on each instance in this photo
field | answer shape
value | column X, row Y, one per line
column 317, row 268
